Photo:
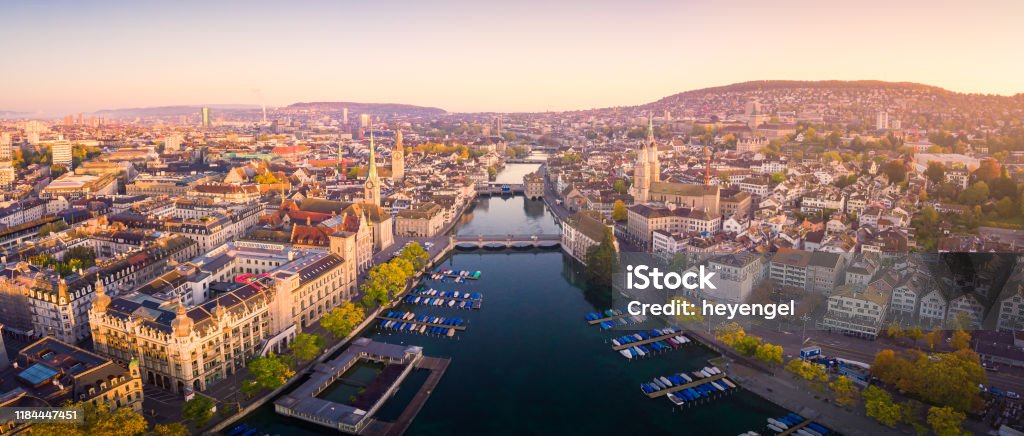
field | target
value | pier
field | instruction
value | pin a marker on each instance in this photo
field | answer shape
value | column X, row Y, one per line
column 428, row 324
column 608, row 318
column 647, row 341
column 794, row 428
column 693, row 384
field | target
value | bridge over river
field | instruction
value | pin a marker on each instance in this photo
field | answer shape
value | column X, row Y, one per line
column 497, row 242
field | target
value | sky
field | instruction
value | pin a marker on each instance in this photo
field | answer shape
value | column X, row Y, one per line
column 465, row 56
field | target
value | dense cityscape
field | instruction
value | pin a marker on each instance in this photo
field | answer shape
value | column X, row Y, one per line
column 221, row 269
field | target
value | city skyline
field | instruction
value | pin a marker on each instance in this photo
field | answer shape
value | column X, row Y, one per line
column 465, row 57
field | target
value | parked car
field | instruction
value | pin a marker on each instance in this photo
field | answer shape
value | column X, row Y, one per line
column 1012, row 394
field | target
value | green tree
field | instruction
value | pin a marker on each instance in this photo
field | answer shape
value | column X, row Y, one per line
column 99, row 419
column 988, row 170
column 975, row 194
column 342, row 320
column 199, row 410
column 271, row 371
column 53, row 227
column 945, row 421
column 602, row 260
column 619, row 212
column 778, row 177
column 416, row 255
column 306, row 346
column 1006, row 208
column 936, row 172
column 620, row 186
column 895, row 170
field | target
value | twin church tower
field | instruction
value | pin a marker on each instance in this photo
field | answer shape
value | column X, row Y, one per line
column 647, row 169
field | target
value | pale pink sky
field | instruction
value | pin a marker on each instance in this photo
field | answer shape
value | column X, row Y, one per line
column 523, row 55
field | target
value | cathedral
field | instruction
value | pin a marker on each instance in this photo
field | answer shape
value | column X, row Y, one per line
column 648, row 187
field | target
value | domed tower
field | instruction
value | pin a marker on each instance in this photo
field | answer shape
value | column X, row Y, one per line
column 182, row 324
column 398, row 159
column 101, row 301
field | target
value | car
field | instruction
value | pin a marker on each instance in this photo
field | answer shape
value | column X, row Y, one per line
column 1012, row 394
column 982, row 388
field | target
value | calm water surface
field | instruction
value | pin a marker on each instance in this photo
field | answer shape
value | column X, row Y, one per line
column 529, row 364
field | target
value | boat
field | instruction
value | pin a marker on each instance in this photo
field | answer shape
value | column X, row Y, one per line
column 675, row 400
column 625, row 353
column 775, row 428
column 728, row 383
column 668, row 383
column 238, row 430
column 251, row 432
column 777, row 423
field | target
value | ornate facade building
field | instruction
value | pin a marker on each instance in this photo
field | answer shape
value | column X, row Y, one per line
column 202, row 321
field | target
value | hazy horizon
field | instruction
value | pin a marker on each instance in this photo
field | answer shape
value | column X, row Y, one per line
column 462, row 56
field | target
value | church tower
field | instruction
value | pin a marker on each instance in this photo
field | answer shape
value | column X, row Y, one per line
column 398, row 159
column 641, row 175
column 371, row 190
column 652, row 152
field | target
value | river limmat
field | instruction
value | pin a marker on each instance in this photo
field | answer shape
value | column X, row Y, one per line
column 528, row 362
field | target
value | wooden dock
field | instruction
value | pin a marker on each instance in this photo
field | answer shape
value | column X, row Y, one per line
column 428, row 324
column 692, row 384
column 608, row 318
column 795, row 427
column 647, row 341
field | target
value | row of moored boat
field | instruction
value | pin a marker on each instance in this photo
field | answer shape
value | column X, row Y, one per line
column 409, row 322
column 459, row 276
column 613, row 318
column 671, row 339
column 784, row 423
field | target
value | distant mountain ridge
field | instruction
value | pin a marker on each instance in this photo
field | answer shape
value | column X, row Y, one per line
column 354, row 107
column 177, row 110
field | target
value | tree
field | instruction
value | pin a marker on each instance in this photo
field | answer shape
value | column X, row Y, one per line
column 171, row 429
column 933, row 338
column 975, row 194
column 620, row 186
column 747, row 345
column 988, row 170
column 730, row 333
column 619, row 211
column 271, row 371
column 846, row 391
column 807, row 371
column 945, row 421
column 778, row 177
column 199, row 410
column 99, row 420
column 266, row 178
column 48, row 228
column 307, row 346
column 770, row 354
column 895, row 170
column 936, row 172
column 895, row 330
column 879, row 405
column 602, row 260
column 1006, row 208
column 961, row 340
column 342, row 320
column 914, row 334
column 416, row 255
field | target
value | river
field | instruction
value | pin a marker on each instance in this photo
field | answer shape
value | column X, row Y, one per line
column 529, row 364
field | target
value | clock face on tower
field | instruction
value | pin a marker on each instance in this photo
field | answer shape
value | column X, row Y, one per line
column 370, row 184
